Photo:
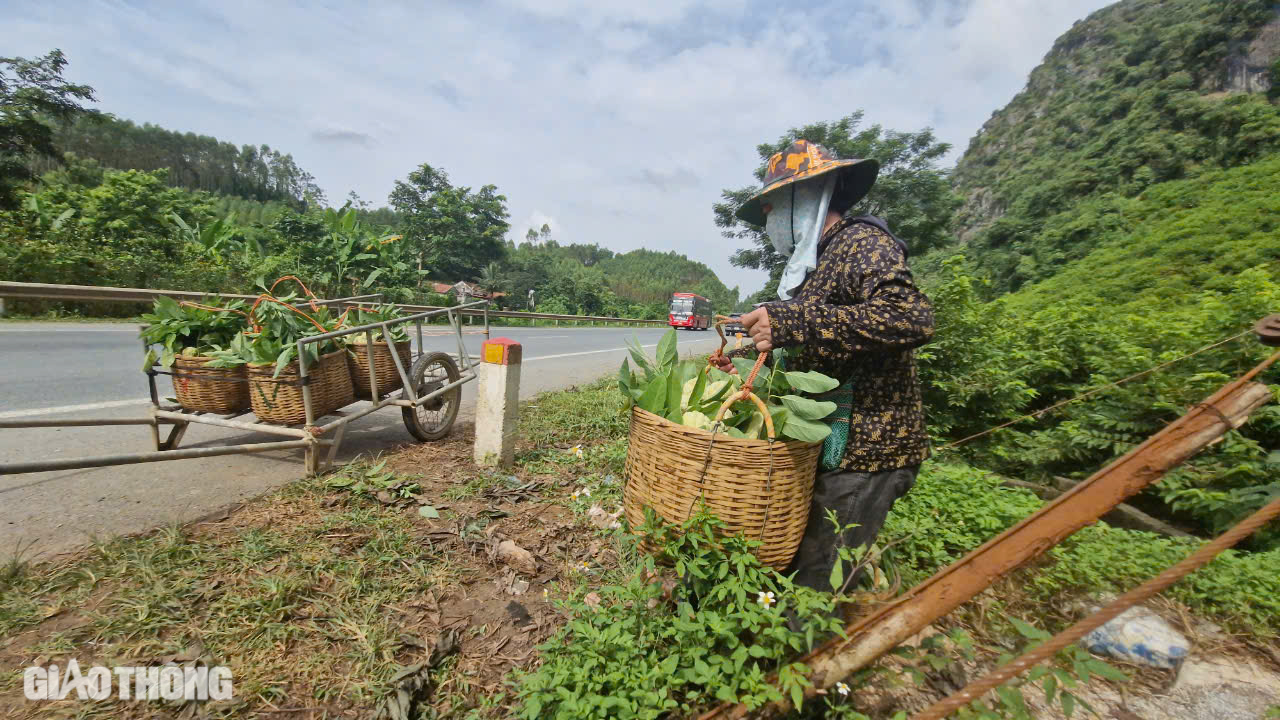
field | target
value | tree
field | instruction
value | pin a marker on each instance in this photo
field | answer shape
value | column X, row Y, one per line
column 489, row 277
column 33, row 95
column 453, row 231
column 912, row 193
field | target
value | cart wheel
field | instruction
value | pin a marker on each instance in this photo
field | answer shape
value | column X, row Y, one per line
column 433, row 419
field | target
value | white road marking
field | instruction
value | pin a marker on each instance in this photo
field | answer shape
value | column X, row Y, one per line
column 13, row 414
column 132, row 328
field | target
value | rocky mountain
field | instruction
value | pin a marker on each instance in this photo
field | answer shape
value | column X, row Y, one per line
column 1138, row 93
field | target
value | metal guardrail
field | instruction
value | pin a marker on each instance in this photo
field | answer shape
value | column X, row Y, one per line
column 90, row 293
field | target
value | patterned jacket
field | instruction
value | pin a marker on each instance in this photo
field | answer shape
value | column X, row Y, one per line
column 859, row 317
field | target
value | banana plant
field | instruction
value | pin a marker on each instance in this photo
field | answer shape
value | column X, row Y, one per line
column 356, row 257
column 212, row 239
column 44, row 217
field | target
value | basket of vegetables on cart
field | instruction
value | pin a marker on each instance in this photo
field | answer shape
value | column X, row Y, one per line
column 746, row 444
column 188, row 333
column 360, row 354
column 269, row 353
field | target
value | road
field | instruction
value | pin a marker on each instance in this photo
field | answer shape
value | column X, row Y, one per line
column 92, row 370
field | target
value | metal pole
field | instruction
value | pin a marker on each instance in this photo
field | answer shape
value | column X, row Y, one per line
column 486, row 320
column 234, row 424
column 84, row 422
column 409, row 389
column 133, row 458
column 306, row 387
column 368, row 355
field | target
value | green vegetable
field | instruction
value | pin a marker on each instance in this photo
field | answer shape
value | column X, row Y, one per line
column 691, row 394
column 191, row 331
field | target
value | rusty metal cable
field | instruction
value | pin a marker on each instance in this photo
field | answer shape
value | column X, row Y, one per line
column 1190, row 564
column 1090, row 393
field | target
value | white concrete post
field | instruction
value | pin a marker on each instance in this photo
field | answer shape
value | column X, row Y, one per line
column 497, row 402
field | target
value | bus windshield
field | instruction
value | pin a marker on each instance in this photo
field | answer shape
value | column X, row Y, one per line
column 682, row 305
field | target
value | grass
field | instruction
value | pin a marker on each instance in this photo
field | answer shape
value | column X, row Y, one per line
column 316, row 596
column 305, row 597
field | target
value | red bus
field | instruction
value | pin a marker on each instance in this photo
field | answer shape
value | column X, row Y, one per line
column 689, row 311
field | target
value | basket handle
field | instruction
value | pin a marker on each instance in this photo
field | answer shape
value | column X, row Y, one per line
column 744, row 394
column 268, row 298
column 310, row 295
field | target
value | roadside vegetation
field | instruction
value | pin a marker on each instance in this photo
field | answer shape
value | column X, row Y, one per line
column 90, row 199
column 319, row 596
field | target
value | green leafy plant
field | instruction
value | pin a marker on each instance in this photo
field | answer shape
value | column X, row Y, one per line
column 728, row 623
column 714, row 634
column 184, row 328
column 691, row 394
column 362, row 315
column 275, row 341
column 372, row 479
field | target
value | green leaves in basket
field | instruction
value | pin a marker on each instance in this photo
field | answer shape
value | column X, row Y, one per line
column 690, row 393
column 799, row 428
column 811, row 382
column 809, row 409
column 654, row 396
column 667, row 352
column 176, row 327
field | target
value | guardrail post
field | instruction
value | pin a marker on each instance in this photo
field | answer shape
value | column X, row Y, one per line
column 497, row 402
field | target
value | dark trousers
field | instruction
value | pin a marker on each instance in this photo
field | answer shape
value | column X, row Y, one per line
column 856, row 497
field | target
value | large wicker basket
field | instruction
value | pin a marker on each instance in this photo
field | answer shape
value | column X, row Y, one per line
column 384, row 366
column 766, row 499
column 279, row 399
column 206, row 389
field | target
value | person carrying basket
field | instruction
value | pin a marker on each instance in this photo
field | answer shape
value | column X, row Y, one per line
column 850, row 309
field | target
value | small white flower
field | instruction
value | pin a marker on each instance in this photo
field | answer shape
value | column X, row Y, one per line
column 576, row 450
column 842, row 689
column 765, row 598
column 584, row 566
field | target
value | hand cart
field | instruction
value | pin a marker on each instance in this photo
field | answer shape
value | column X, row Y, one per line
column 429, row 397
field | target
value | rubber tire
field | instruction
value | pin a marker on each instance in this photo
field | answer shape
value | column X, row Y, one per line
column 412, row 422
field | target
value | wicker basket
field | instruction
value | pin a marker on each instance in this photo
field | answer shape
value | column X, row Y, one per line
column 279, row 400
column 665, row 463
column 224, row 392
column 384, row 366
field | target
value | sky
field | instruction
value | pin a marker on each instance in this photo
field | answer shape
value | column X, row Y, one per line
column 615, row 123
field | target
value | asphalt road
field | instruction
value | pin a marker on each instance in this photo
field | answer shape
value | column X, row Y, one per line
column 62, row 370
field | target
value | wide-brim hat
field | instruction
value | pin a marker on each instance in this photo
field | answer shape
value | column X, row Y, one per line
column 803, row 160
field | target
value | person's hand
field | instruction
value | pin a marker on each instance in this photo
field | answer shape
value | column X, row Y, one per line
column 756, row 323
column 724, row 364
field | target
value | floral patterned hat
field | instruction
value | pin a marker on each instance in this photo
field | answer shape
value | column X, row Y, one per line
column 803, row 160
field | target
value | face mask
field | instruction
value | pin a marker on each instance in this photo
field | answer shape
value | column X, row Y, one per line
column 794, row 224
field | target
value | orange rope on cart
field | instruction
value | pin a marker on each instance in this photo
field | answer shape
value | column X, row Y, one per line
column 310, row 295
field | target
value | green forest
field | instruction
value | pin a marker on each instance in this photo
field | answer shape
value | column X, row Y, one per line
column 91, row 199
column 1119, row 213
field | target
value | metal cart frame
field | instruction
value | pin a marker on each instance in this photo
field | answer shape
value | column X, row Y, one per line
column 311, row 437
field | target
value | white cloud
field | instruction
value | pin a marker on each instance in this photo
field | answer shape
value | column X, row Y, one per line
column 616, row 123
column 534, row 222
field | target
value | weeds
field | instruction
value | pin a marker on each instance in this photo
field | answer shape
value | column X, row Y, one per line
column 632, row 651
column 295, row 603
